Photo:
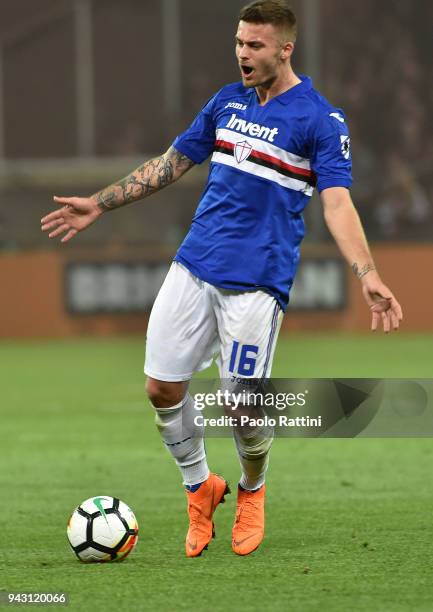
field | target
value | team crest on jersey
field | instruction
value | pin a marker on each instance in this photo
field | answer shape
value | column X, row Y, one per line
column 242, row 151
column 345, row 146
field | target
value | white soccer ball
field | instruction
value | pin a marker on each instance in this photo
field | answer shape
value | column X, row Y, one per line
column 102, row 529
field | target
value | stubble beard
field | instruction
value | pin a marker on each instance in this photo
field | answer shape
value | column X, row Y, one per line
column 270, row 75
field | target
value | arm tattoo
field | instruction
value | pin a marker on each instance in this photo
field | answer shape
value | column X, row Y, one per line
column 151, row 176
column 360, row 272
column 181, row 163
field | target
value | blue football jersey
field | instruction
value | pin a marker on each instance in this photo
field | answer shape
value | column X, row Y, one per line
column 266, row 162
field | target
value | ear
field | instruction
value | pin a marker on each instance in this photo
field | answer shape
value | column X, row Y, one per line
column 287, row 50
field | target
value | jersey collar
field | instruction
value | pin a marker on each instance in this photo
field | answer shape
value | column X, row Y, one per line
column 286, row 97
column 295, row 91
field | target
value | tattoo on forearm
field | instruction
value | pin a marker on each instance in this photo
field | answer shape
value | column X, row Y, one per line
column 151, row 176
column 181, row 163
column 360, row 272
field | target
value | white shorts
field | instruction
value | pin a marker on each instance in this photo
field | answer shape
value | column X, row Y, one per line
column 192, row 322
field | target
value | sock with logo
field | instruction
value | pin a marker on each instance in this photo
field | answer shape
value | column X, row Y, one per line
column 184, row 440
column 193, row 488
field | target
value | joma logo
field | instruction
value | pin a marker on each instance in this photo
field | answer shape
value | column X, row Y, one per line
column 237, row 106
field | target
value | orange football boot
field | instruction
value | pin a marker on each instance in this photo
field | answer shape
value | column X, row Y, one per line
column 249, row 525
column 201, row 506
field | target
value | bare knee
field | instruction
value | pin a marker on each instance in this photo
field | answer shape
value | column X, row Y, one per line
column 165, row 394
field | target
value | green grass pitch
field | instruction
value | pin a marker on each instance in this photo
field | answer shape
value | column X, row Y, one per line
column 349, row 522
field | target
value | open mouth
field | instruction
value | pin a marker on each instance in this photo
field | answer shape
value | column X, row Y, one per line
column 247, row 70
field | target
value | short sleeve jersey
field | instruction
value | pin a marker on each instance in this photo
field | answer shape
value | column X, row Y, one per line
column 266, row 162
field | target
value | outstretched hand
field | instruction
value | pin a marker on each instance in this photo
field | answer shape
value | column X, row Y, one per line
column 382, row 303
column 74, row 216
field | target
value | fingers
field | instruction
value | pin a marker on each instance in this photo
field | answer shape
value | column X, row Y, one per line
column 54, row 216
column 60, row 230
column 50, row 225
column 386, row 321
column 71, row 232
column 396, row 309
column 61, row 200
column 374, row 321
column 57, row 214
column 65, row 219
column 394, row 315
column 59, row 226
column 389, row 311
column 394, row 320
column 69, row 235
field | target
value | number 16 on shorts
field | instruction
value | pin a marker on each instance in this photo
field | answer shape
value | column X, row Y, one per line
column 243, row 359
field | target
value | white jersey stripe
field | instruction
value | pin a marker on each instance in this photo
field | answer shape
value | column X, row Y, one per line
column 262, row 171
column 264, row 147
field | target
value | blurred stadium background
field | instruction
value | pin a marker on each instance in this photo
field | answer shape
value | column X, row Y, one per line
column 90, row 88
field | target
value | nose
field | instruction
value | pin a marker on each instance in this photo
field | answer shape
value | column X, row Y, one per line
column 243, row 53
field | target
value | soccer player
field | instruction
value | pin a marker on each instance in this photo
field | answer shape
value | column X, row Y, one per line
column 272, row 139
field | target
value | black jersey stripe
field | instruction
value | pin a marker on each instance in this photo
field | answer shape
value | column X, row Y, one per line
column 310, row 180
